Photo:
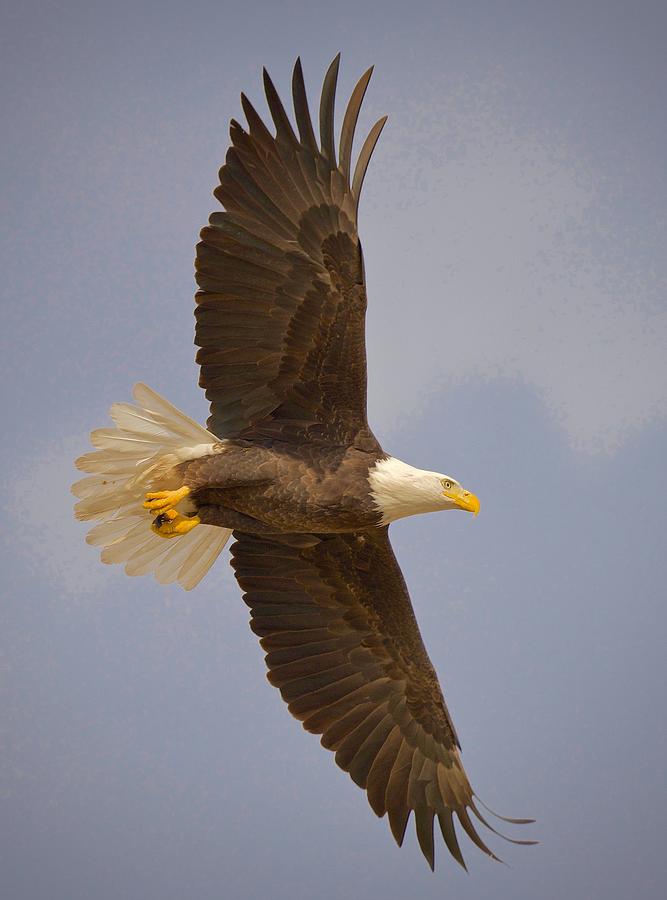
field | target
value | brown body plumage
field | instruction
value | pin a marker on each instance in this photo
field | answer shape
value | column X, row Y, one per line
column 280, row 488
column 292, row 467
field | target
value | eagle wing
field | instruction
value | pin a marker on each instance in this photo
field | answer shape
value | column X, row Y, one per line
column 344, row 648
column 282, row 300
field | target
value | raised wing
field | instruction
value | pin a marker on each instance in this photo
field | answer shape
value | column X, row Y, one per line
column 344, row 648
column 281, row 310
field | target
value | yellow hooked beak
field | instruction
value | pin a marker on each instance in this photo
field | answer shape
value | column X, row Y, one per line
column 464, row 500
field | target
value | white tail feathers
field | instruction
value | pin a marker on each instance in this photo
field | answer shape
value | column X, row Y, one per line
column 148, row 440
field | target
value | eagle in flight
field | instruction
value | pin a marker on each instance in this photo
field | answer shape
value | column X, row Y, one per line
column 291, row 469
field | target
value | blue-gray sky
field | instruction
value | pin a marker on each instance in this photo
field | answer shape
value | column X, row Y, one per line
column 514, row 221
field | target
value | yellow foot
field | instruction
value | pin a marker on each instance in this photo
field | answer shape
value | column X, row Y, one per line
column 158, row 501
column 172, row 524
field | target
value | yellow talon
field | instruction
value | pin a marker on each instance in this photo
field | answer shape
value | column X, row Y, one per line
column 172, row 524
column 163, row 500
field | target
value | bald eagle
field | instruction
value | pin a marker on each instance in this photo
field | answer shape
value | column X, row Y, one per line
column 290, row 467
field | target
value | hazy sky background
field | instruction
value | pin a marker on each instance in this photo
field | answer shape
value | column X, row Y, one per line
column 514, row 222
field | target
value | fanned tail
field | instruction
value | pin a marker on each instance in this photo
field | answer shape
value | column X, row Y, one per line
column 147, row 440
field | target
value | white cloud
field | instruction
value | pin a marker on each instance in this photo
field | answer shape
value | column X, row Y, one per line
column 510, row 254
column 44, row 528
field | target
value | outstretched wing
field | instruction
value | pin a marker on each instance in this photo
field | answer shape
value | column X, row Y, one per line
column 344, row 648
column 281, row 310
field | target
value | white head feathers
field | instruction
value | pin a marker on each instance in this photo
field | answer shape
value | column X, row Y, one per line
column 400, row 490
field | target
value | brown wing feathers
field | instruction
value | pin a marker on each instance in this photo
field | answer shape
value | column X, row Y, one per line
column 281, row 306
column 327, row 101
column 343, row 646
